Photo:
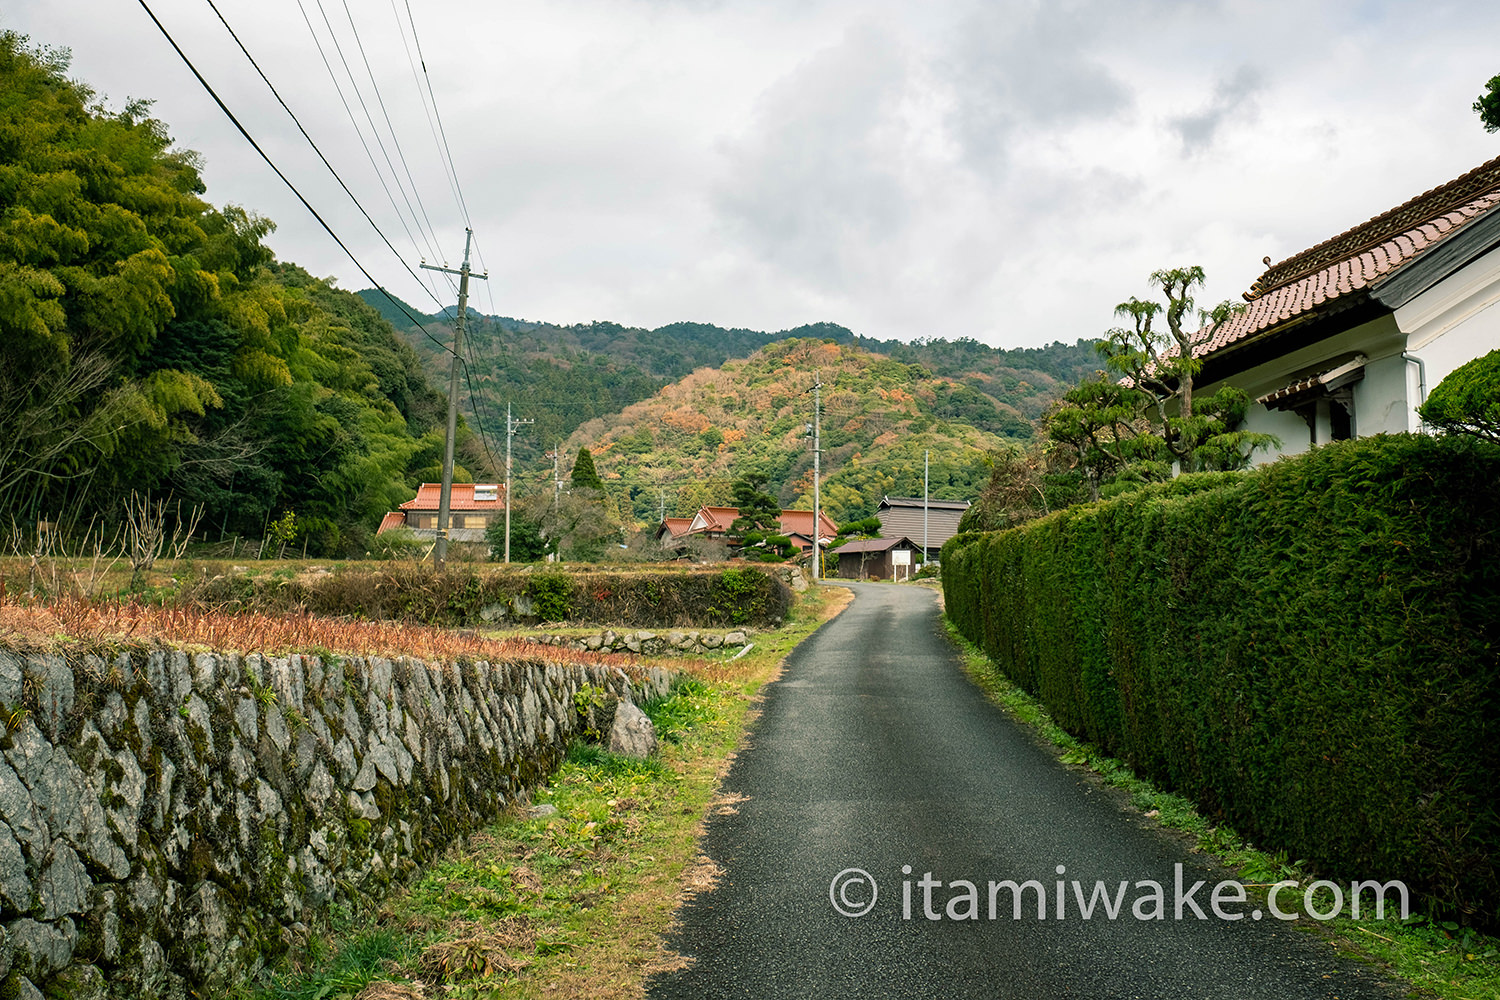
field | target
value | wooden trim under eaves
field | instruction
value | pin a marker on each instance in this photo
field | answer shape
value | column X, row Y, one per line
column 1344, row 313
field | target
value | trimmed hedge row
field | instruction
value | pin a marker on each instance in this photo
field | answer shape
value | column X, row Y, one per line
column 1310, row 650
column 463, row 596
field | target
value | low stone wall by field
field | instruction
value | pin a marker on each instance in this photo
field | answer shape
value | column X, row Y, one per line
column 171, row 821
column 651, row 643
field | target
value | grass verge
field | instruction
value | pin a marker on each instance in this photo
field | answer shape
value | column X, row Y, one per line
column 1438, row 958
column 575, row 903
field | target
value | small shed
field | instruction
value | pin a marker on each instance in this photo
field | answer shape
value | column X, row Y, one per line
column 878, row 559
column 915, row 517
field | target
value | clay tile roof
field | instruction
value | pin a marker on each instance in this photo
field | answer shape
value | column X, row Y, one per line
column 801, row 522
column 462, row 497
column 395, row 519
column 718, row 518
column 678, row 526
column 932, row 504
column 1356, row 259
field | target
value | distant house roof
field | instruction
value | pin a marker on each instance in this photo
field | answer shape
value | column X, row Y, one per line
column 713, row 519
column 877, row 545
column 800, row 522
column 1344, row 271
column 676, row 527
column 886, row 502
column 793, row 522
column 395, row 519
column 463, row 496
column 905, row 516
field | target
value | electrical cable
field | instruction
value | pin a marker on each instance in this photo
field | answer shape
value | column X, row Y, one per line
column 435, row 112
column 349, row 112
column 448, row 171
column 275, row 93
column 390, row 128
column 374, row 132
column 284, row 179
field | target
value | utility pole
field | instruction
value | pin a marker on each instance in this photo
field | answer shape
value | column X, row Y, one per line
column 817, row 455
column 510, row 432
column 556, row 479
column 440, row 547
column 925, row 455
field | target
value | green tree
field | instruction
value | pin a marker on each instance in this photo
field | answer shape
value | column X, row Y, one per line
column 151, row 342
column 1099, row 428
column 578, row 526
column 1487, row 107
column 527, row 543
column 759, row 511
column 1160, row 369
column 584, row 475
column 1467, row 401
column 868, row 527
column 1026, row 483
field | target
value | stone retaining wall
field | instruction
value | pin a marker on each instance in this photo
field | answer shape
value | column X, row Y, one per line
column 650, row 643
column 169, row 822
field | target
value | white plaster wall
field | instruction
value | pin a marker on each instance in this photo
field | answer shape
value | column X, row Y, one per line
column 1380, row 341
column 1290, row 429
column 1453, row 322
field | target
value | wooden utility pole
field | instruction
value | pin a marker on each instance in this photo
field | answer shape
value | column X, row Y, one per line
column 510, row 432
column 440, row 547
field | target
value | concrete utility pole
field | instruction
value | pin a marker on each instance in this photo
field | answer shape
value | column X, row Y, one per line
column 925, row 455
column 510, row 432
column 440, row 547
column 817, row 500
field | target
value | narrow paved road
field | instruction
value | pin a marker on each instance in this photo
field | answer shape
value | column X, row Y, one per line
column 875, row 752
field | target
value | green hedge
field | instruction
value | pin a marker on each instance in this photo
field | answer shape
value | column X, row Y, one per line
column 698, row 597
column 1310, row 650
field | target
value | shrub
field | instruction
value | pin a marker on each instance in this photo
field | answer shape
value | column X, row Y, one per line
column 552, row 594
column 1468, row 400
column 410, row 592
column 1310, row 650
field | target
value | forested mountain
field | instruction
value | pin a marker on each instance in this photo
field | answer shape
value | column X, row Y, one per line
column 150, row 342
column 563, row 376
column 686, row 445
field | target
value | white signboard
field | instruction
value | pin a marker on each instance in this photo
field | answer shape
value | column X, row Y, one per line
column 901, row 557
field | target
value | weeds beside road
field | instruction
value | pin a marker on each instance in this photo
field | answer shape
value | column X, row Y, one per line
column 571, row 904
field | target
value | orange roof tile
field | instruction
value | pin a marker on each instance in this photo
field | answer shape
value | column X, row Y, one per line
column 1354, row 260
column 721, row 519
column 395, row 519
column 801, row 522
column 678, row 526
column 461, row 497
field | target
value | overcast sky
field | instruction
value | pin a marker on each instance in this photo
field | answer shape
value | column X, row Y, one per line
column 1007, row 171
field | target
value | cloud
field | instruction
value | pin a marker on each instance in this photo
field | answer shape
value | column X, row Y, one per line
column 817, row 178
column 1035, row 67
column 1233, row 100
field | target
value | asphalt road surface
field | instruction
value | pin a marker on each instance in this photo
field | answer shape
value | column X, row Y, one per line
column 874, row 752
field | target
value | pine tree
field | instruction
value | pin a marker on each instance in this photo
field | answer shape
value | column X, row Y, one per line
column 585, row 476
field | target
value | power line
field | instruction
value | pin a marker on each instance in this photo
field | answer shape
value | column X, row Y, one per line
column 442, row 131
column 395, row 140
column 374, row 132
column 427, row 110
column 275, row 93
column 349, row 112
column 270, row 163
